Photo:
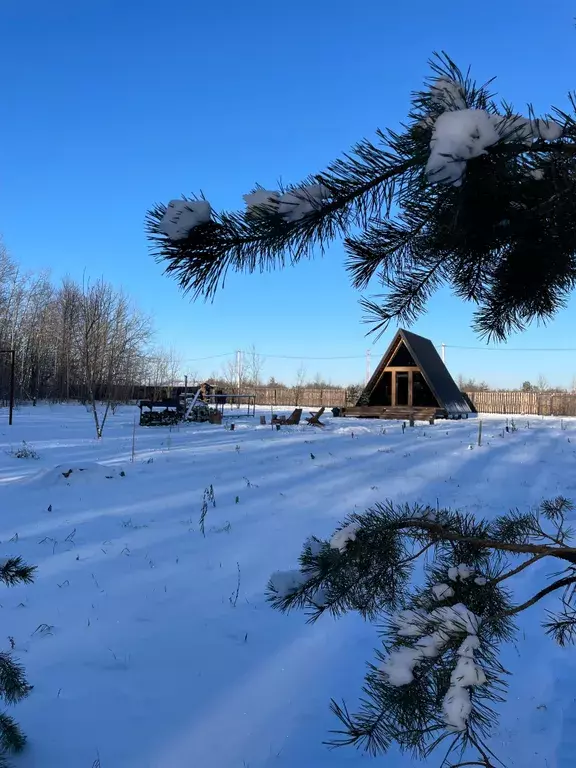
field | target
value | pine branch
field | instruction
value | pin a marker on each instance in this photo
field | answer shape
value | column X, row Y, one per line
column 406, row 689
column 13, row 685
column 358, row 186
column 502, row 235
column 562, row 553
column 15, row 571
column 519, row 569
column 11, row 737
column 566, row 582
column 562, row 627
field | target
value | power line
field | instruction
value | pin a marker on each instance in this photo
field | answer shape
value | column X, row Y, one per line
column 277, row 357
column 303, row 357
column 210, row 357
column 363, row 357
column 514, row 349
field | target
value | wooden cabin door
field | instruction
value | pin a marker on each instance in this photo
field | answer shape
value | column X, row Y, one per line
column 401, row 388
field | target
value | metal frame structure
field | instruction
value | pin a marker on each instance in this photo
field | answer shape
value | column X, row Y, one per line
column 12, row 353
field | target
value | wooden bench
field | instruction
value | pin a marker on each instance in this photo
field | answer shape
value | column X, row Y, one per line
column 292, row 420
column 314, row 420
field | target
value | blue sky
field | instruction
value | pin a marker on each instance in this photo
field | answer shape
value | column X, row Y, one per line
column 109, row 107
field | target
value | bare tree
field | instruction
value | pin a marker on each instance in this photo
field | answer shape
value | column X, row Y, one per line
column 471, row 385
column 319, row 382
column 230, row 375
column 110, row 333
column 299, row 384
column 253, row 367
column 163, row 368
column 73, row 341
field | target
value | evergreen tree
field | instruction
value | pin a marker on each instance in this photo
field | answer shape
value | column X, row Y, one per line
column 13, row 685
column 468, row 193
column 439, row 582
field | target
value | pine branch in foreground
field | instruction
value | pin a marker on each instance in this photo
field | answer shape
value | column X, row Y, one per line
column 436, row 682
column 469, row 193
column 11, row 737
column 13, row 684
column 15, row 571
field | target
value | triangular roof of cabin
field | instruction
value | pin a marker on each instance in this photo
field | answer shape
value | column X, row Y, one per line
column 432, row 368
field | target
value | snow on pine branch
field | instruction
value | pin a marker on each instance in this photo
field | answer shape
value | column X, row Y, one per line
column 461, row 572
column 182, row 216
column 460, row 134
column 457, row 704
column 262, row 200
column 442, row 591
column 445, row 622
column 284, row 583
column 302, row 201
column 293, row 205
column 447, row 93
column 341, row 538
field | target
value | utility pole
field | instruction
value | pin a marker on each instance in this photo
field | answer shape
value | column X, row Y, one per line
column 185, row 384
column 239, row 372
column 443, row 352
column 368, row 355
column 12, row 353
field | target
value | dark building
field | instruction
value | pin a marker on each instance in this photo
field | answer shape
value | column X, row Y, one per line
column 410, row 381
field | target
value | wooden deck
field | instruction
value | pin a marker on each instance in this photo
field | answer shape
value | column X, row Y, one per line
column 393, row 412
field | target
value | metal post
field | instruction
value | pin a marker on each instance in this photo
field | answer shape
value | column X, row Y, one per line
column 368, row 353
column 443, row 352
column 12, row 372
column 185, row 385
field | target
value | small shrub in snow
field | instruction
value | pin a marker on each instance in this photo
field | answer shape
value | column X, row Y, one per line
column 437, row 676
column 25, row 451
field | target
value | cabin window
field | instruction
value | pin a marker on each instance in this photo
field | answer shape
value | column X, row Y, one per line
column 382, row 392
column 422, row 396
column 402, row 359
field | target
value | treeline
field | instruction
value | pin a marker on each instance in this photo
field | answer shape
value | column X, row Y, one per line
column 539, row 386
column 74, row 341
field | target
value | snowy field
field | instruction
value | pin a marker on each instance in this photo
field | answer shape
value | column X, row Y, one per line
column 150, row 645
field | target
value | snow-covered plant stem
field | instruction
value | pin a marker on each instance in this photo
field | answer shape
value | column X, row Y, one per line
column 438, row 671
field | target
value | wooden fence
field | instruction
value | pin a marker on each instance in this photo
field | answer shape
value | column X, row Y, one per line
column 533, row 403
column 294, row 396
column 541, row 404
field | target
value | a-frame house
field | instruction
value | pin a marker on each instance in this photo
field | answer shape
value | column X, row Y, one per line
column 411, row 380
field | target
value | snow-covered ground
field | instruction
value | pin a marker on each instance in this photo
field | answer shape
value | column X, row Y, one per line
column 150, row 645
